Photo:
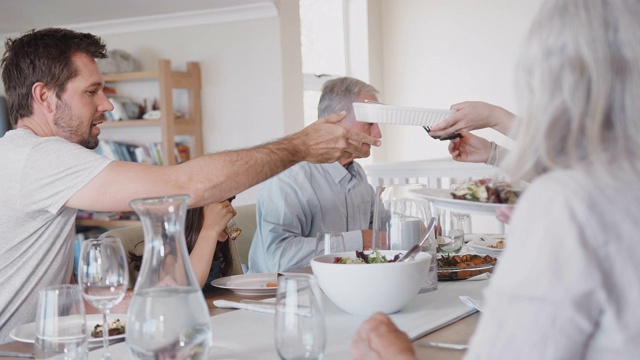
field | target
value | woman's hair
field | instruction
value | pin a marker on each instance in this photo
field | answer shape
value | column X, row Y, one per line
column 193, row 225
column 579, row 87
column 43, row 56
column 340, row 94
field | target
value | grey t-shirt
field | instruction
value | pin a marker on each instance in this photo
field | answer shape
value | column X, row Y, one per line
column 38, row 175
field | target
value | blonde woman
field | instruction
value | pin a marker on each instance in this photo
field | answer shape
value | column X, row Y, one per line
column 569, row 283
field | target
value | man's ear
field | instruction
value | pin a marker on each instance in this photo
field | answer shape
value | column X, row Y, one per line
column 44, row 97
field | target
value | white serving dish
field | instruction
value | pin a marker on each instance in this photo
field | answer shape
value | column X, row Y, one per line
column 483, row 247
column 363, row 289
column 398, row 115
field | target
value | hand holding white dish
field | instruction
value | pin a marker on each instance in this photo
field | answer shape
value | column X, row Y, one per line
column 398, row 115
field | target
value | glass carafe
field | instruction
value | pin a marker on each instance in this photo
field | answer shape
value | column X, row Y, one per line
column 168, row 317
column 400, row 220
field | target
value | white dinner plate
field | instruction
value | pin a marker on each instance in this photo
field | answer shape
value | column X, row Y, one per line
column 398, row 115
column 441, row 198
column 27, row 332
column 483, row 246
column 248, row 284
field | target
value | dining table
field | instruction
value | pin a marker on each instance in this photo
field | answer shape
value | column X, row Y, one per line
column 432, row 317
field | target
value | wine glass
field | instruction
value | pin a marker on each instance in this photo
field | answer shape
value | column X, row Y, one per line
column 103, row 276
column 329, row 242
column 300, row 331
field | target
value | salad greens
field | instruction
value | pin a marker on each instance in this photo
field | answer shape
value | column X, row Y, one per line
column 361, row 258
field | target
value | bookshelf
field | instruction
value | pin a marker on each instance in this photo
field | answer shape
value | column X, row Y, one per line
column 166, row 81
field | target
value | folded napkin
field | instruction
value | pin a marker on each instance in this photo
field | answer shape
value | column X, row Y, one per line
column 269, row 308
column 483, row 276
column 471, row 302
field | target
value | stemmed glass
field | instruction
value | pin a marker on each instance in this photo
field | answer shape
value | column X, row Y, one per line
column 103, row 276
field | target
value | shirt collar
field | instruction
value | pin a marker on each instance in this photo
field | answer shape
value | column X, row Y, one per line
column 340, row 174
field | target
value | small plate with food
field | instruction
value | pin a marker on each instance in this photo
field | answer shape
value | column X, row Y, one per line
column 117, row 323
column 462, row 267
column 249, row 284
column 488, row 245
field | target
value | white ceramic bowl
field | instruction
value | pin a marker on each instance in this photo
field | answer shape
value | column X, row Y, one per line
column 483, row 247
column 363, row 289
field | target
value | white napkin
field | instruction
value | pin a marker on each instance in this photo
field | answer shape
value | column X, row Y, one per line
column 471, row 302
column 269, row 308
column 483, row 276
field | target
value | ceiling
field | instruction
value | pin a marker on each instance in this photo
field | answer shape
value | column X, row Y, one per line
column 17, row 16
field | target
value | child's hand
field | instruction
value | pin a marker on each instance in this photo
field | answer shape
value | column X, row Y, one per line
column 216, row 217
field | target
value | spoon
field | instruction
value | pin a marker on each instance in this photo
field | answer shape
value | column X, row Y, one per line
column 415, row 249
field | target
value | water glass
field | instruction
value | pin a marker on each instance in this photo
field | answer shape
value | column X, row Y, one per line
column 300, row 331
column 61, row 329
column 449, row 232
column 329, row 242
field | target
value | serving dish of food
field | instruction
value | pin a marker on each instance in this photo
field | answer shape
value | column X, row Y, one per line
column 462, row 267
column 362, row 283
column 488, row 245
column 483, row 196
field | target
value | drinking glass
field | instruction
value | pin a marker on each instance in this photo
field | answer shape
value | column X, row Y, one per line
column 232, row 230
column 449, row 231
column 400, row 220
column 300, row 331
column 103, row 276
column 463, row 222
column 329, row 242
column 61, row 329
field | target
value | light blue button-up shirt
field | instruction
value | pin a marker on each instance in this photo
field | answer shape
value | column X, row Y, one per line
column 300, row 202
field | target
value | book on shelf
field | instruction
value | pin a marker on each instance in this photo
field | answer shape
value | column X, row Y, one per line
column 150, row 153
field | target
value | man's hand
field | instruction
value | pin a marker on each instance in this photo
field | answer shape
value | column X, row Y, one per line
column 367, row 239
column 379, row 339
column 324, row 141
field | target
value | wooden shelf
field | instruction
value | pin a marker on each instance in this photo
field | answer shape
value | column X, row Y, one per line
column 170, row 126
column 107, row 223
column 129, row 123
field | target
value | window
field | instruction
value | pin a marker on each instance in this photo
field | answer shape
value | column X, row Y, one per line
column 322, row 32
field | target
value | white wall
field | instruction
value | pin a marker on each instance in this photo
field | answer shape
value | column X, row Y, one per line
column 440, row 52
column 434, row 53
column 242, row 90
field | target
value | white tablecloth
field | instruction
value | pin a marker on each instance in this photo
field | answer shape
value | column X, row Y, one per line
column 244, row 334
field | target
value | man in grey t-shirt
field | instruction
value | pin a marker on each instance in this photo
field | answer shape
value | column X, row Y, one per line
column 56, row 100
